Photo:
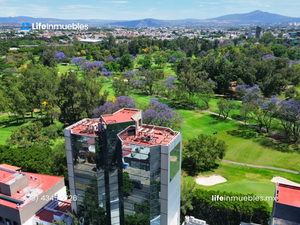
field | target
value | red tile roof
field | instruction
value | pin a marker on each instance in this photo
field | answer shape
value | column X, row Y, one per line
column 289, row 195
column 36, row 186
column 123, row 115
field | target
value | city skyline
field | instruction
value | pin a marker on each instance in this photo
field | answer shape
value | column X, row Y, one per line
column 134, row 10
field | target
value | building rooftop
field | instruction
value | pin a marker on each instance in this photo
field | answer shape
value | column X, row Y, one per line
column 15, row 168
column 289, row 195
column 147, row 135
column 89, row 127
column 121, row 116
column 37, row 185
column 59, row 211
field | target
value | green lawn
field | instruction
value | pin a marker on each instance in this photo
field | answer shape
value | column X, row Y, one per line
column 6, row 127
column 243, row 144
column 246, row 180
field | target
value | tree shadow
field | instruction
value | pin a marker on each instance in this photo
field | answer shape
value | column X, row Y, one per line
column 251, row 133
column 243, row 132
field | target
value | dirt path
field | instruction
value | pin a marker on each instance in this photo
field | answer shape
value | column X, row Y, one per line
column 263, row 167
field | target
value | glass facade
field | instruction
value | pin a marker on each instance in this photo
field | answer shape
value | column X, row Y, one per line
column 174, row 161
column 98, row 174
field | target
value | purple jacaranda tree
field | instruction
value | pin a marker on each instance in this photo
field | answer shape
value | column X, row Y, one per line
column 268, row 56
column 78, row 61
column 202, row 53
column 132, row 57
column 107, row 73
column 241, row 89
column 162, row 115
column 226, row 55
column 110, row 107
column 59, row 56
column 88, row 66
column 128, row 75
column 285, row 44
column 180, row 50
column 289, row 116
column 173, row 59
column 110, row 58
column 252, row 94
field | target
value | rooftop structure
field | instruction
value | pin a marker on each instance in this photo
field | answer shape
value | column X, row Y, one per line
column 190, row 220
column 21, row 193
column 148, row 135
column 90, row 127
column 286, row 206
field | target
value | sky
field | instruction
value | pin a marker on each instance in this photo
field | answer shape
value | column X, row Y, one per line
column 141, row 9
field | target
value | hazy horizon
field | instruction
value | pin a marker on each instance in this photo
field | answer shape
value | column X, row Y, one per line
column 135, row 10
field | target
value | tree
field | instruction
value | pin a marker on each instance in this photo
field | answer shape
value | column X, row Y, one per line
column 288, row 114
column 146, row 62
column 226, row 211
column 125, row 62
column 149, row 77
column 162, row 115
column 202, row 152
column 121, row 87
column 127, row 184
column 113, row 106
column 89, row 209
column 267, row 38
column 59, row 56
column 225, row 107
column 47, row 56
column 186, row 196
column 68, row 97
column 27, row 136
column 12, row 99
column 39, row 84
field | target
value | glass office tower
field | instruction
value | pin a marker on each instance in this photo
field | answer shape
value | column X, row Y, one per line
column 123, row 170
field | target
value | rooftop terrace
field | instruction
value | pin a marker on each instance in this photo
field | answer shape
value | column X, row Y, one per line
column 90, row 127
column 148, row 135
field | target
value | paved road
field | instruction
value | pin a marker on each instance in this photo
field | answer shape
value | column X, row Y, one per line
column 264, row 167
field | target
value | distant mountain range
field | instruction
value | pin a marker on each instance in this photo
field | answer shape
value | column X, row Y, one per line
column 255, row 17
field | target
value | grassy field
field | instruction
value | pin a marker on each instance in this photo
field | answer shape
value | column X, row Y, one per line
column 246, row 180
column 244, row 145
column 7, row 126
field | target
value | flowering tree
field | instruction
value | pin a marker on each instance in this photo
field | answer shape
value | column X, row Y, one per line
column 289, row 115
column 107, row 73
column 162, row 115
column 88, row 66
column 110, row 107
column 241, row 89
column 59, row 56
column 268, row 56
column 173, row 59
column 110, row 58
column 252, row 94
column 78, row 61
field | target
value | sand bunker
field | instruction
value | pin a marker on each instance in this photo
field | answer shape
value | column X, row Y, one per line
column 173, row 158
column 210, row 181
column 282, row 180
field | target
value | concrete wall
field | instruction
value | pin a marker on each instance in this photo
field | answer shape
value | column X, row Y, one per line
column 170, row 191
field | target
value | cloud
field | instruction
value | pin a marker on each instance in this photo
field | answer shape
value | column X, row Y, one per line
column 118, row 2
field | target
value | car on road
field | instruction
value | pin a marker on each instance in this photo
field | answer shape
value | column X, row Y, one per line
column 137, row 184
